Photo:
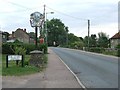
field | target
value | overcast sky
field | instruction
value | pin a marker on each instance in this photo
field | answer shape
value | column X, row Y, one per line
column 103, row 14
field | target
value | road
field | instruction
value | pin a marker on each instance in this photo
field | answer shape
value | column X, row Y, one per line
column 93, row 70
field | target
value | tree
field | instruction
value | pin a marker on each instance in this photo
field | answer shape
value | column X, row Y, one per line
column 57, row 32
column 72, row 38
column 32, row 35
column 85, row 41
column 75, row 42
column 103, row 40
column 93, row 40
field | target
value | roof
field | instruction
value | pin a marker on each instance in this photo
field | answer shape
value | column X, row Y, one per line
column 116, row 36
column 23, row 30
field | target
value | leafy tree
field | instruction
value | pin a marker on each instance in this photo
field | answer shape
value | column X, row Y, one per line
column 57, row 32
column 32, row 35
column 77, row 45
column 103, row 40
column 75, row 42
column 81, row 38
column 72, row 38
column 93, row 40
column 85, row 41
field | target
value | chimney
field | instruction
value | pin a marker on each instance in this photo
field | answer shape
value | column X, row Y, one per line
column 13, row 34
column 24, row 30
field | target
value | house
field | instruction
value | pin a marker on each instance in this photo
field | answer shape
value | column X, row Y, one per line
column 4, row 36
column 115, row 40
column 21, row 35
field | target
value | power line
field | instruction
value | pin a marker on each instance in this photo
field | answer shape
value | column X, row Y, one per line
column 66, row 14
column 16, row 4
column 18, row 11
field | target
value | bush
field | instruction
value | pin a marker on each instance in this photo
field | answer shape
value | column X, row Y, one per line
column 43, row 47
column 118, row 46
column 77, row 45
column 6, row 49
column 9, row 48
column 29, row 48
column 96, row 49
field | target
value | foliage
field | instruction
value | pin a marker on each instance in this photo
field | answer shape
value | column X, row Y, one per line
column 72, row 38
column 32, row 35
column 57, row 32
column 111, row 52
column 92, row 41
column 14, row 70
column 19, row 50
column 103, row 40
column 118, row 46
column 96, row 49
column 44, row 48
column 29, row 48
column 6, row 49
column 77, row 45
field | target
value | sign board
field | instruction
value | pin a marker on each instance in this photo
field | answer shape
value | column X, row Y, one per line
column 36, row 19
column 14, row 57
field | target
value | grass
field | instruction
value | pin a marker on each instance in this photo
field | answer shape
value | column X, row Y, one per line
column 14, row 70
column 114, row 53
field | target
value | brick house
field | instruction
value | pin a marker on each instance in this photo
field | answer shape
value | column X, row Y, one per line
column 21, row 35
column 115, row 40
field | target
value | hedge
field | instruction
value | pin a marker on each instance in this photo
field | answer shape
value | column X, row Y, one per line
column 8, row 48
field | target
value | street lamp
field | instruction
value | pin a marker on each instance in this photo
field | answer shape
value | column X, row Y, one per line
column 46, row 25
column 36, row 20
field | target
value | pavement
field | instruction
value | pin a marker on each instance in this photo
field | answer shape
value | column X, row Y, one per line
column 56, row 75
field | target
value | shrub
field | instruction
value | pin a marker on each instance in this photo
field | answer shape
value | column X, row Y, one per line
column 9, row 48
column 29, row 48
column 96, row 49
column 118, row 46
column 6, row 49
column 43, row 47
column 77, row 45
column 19, row 50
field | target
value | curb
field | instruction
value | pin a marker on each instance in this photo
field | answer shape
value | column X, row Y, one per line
column 83, row 87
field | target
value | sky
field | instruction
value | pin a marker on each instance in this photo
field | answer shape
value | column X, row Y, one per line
column 103, row 15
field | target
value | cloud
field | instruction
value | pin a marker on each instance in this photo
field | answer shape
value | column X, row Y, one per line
column 102, row 13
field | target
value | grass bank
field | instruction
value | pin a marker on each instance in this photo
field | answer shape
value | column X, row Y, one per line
column 14, row 70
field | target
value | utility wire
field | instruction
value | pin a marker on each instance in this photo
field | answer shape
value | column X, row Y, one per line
column 19, row 11
column 66, row 14
column 18, row 5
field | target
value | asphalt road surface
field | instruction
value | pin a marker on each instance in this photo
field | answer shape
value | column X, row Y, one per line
column 93, row 70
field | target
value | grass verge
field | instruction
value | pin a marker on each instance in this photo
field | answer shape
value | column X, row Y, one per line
column 14, row 70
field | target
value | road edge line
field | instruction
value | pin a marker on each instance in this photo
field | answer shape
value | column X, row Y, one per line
column 73, row 74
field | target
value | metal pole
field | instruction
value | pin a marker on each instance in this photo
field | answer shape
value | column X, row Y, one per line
column 36, row 37
column 88, row 33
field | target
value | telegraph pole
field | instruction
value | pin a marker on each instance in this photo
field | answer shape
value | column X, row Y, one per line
column 88, row 33
column 45, row 24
